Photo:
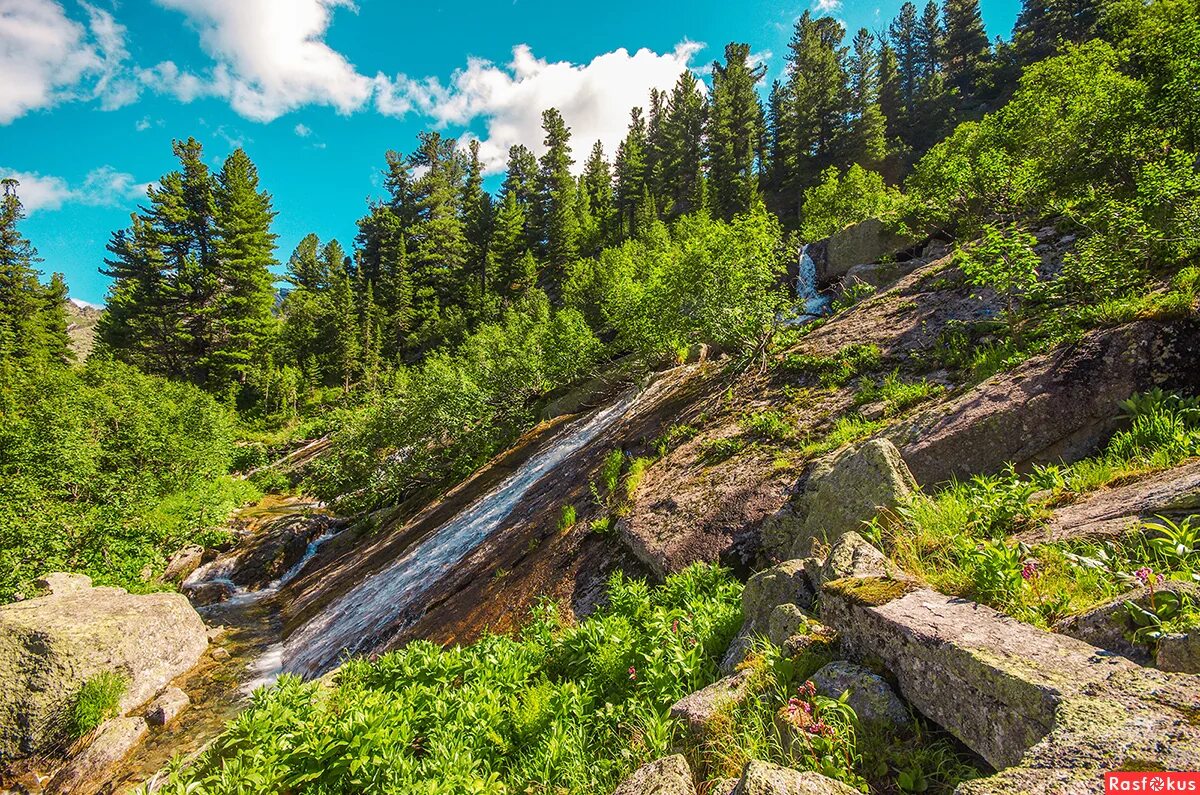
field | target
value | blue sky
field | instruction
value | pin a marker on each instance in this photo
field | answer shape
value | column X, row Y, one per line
column 92, row 93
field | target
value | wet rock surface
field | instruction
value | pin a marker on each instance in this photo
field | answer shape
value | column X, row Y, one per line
column 85, row 774
column 50, row 646
column 667, row 776
column 167, row 706
column 266, row 554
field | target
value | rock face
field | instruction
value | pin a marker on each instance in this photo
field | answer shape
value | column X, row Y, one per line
column 696, row 709
column 847, row 490
column 779, row 585
column 764, row 778
column 84, row 774
column 667, row 776
column 870, row 697
column 1106, row 625
column 1179, row 652
column 50, row 646
column 1173, row 493
column 1016, row 695
column 264, row 556
column 1059, row 406
column 862, row 243
column 853, row 556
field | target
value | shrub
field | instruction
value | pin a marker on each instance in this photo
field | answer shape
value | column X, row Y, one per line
column 566, row 518
column 840, row 200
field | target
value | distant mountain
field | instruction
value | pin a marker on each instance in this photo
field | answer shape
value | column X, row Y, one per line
column 82, row 318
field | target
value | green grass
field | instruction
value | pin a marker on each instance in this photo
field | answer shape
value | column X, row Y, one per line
column 958, row 539
column 97, row 701
column 560, row 708
column 897, row 394
column 848, row 428
column 769, row 424
column 566, row 518
column 836, row 370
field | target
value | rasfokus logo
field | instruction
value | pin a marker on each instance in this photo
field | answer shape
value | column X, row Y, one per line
column 1164, row 782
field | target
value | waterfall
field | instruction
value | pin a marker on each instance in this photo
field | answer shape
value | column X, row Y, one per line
column 359, row 619
column 812, row 303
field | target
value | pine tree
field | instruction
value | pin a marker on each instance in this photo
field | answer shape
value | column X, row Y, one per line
column 520, row 179
column 304, row 268
column 33, row 323
column 370, row 330
column 929, row 39
column 142, row 316
column 437, row 239
column 508, row 249
column 682, row 150
column 1044, row 25
column 245, row 251
column 345, row 328
column 868, row 130
column 382, row 260
column 630, row 172
column 904, row 37
column 477, row 221
column 560, row 233
column 966, row 48
column 597, row 185
column 735, row 132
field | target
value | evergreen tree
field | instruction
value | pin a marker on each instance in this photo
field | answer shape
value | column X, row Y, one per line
column 735, row 132
column 477, row 221
column 966, row 48
column 245, row 251
column 682, row 151
column 630, row 171
column 508, row 249
column 1044, row 25
column 868, row 129
column 904, row 37
column 437, row 239
column 370, row 331
column 344, row 327
column 560, row 235
column 596, row 184
column 304, row 268
column 521, row 180
column 33, row 323
column 142, row 315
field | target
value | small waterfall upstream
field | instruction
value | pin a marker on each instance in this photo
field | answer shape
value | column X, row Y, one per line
column 811, row 302
column 382, row 603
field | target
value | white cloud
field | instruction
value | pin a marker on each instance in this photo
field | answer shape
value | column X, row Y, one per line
column 303, row 131
column 115, row 85
column 102, row 187
column 827, row 6
column 594, row 98
column 270, row 57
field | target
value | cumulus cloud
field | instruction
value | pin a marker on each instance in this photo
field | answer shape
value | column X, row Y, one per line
column 102, row 187
column 827, row 6
column 270, row 57
column 47, row 57
column 594, row 98
column 302, row 130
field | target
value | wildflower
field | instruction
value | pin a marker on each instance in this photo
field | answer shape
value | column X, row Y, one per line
column 821, row 728
column 675, row 626
column 1146, row 576
column 807, row 690
column 1029, row 570
column 632, row 673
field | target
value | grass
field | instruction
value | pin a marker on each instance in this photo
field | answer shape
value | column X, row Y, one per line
column 559, row 708
column 959, row 539
column 566, row 518
column 898, row 395
column 770, row 425
column 98, row 700
column 836, row 370
column 848, row 428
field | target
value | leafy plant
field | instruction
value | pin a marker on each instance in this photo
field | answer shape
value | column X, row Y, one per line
column 98, row 700
column 566, row 518
column 769, row 425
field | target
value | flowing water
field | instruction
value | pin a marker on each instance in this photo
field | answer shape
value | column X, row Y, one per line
column 387, row 601
column 812, row 302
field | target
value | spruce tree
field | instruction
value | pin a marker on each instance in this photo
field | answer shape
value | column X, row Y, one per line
column 345, row 329
column 630, row 173
column 508, row 249
column 33, row 324
column 437, row 239
column 244, row 324
column 560, row 232
column 682, row 151
column 304, row 268
column 521, row 180
column 597, row 185
column 966, row 48
column 735, row 135
column 868, row 130
column 477, row 221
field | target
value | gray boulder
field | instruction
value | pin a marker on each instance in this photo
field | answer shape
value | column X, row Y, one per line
column 667, row 776
column 85, row 774
column 848, row 490
column 50, row 646
column 764, row 778
column 783, row 584
column 871, row 698
column 167, row 706
column 864, row 242
column 1108, row 625
column 787, row 620
column 854, row 556
column 1179, row 652
column 696, row 709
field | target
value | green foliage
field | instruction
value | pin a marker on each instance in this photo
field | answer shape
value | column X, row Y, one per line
column 839, row 369
column 841, row 200
column 898, row 395
column 770, row 425
column 851, row 296
column 107, row 471
column 98, row 700
column 959, row 539
column 1003, row 260
column 569, row 709
column 1167, row 611
column 566, row 518
column 846, row 429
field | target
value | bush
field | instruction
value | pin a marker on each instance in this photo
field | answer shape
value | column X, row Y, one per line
column 841, row 200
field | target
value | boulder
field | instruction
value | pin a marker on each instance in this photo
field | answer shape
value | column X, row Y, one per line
column 50, row 646
column 1108, row 625
column 1015, row 694
column 696, row 709
column 62, row 583
column 209, row 592
column 1179, row 651
column 871, row 698
column 183, row 563
column 1058, row 406
column 848, row 490
column 85, row 774
column 854, row 556
column 785, row 621
column 167, row 706
column 725, row 786
column 1112, row 512
column 764, row 778
column 865, row 242
column 667, row 776
column 264, row 556
column 785, row 583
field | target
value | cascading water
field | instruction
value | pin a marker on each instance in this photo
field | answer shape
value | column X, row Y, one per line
column 357, row 620
column 812, row 303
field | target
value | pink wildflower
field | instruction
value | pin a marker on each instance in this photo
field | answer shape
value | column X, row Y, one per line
column 1145, row 575
column 1029, row 570
column 632, row 672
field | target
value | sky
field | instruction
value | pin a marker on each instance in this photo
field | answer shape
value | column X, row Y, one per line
column 316, row 91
